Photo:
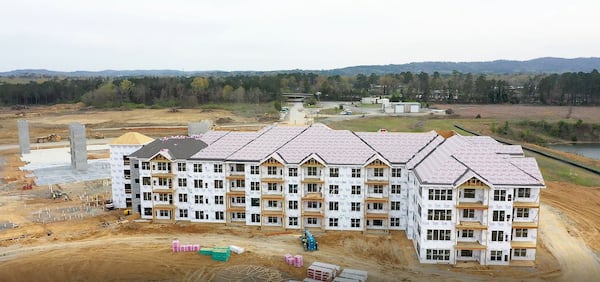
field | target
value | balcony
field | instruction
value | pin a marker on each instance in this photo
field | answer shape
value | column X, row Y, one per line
column 233, row 176
column 469, row 246
column 272, row 212
column 520, row 204
column 312, row 213
column 317, row 178
column 163, row 189
column 375, row 180
column 163, row 205
column 376, row 214
column 236, row 208
column 524, row 224
column 523, row 244
column 317, row 196
column 470, row 225
column 471, row 205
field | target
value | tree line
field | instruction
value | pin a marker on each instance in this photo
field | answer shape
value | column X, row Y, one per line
column 554, row 89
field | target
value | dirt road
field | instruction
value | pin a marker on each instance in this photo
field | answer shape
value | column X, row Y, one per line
column 577, row 261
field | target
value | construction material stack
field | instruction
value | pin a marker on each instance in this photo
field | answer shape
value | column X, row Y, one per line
column 221, row 253
column 322, row 271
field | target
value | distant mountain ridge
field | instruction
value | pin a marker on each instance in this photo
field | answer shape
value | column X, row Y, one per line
column 534, row 66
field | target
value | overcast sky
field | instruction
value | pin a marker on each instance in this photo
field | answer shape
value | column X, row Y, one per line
column 277, row 34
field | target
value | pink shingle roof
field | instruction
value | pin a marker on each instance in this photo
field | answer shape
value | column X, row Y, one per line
column 226, row 145
column 397, row 147
column 457, row 155
column 266, row 143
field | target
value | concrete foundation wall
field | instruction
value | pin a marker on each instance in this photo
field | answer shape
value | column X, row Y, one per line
column 78, row 143
column 23, row 127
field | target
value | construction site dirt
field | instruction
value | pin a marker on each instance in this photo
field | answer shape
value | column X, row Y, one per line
column 74, row 239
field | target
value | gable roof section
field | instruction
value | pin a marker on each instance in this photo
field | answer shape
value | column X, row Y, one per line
column 132, row 138
column 333, row 146
column 267, row 143
column 449, row 161
column 178, row 147
column 225, row 146
column 397, row 147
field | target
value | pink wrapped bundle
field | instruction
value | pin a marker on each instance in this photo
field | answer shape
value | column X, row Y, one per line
column 196, row 248
column 298, row 261
column 175, row 246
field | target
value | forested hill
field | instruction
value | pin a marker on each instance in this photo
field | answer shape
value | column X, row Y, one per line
column 540, row 65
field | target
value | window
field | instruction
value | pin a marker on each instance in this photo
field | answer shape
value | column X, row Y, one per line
column 498, row 216
column 466, row 253
column 164, row 182
column 163, row 166
column 255, row 202
column 521, row 232
column 520, row 252
column 180, row 166
column 254, row 169
column 182, row 182
column 356, row 173
column 218, row 168
column 334, row 189
column 218, row 200
column 312, row 188
column 272, row 187
column 255, row 218
column 198, row 183
column 467, row 233
column 183, row 213
column 254, row 186
column 164, row 213
column 334, row 172
column 218, row 184
column 438, row 235
column 311, row 220
column 356, row 189
column 439, row 214
column 293, row 205
column 522, row 212
column 396, row 172
column 377, row 189
column 199, row 214
column 334, row 206
column 197, row 167
column 468, row 213
column 355, row 206
column 145, row 165
column 293, row 221
column 147, row 196
column 293, row 171
column 199, row 199
column 395, row 189
column 293, row 188
column 440, row 194
column 333, row 222
column 147, row 211
column 239, row 183
column 355, row 222
column 395, row 206
column 183, row 198
column 498, row 236
column 219, row 215
column 496, row 255
column 395, row 222
column 378, row 172
column 469, row 194
column 145, row 180
column 311, row 171
column 438, row 254
column 313, row 205
column 239, row 168
column 524, row 192
column 272, row 204
column 271, row 170
column 375, row 206
column 499, row 195
column 238, row 215
column 238, row 200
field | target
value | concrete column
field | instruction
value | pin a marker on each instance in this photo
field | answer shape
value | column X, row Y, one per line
column 197, row 128
column 78, row 143
column 23, row 127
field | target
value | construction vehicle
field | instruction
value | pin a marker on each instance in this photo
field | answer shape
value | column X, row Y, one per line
column 309, row 242
column 108, row 205
column 98, row 135
column 49, row 138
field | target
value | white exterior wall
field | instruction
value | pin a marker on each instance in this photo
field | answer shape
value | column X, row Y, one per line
column 116, row 172
column 252, row 194
column 292, row 180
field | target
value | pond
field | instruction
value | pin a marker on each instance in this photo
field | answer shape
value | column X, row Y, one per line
column 591, row 150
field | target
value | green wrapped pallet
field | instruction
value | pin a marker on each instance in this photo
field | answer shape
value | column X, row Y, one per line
column 206, row 251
